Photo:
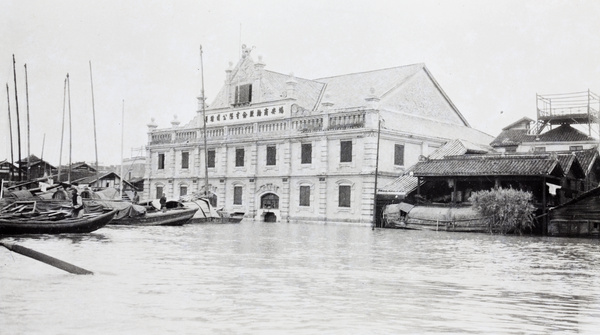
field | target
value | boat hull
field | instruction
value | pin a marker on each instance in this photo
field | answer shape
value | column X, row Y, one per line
column 82, row 225
column 172, row 217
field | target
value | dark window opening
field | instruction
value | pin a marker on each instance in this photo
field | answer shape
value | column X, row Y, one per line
column 306, row 155
column 345, row 151
column 344, row 196
column 211, row 159
column 271, row 155
column 243, row 95
column 239, row 157
column 304, row 195
column 185, row 160
column 398, row 154
column 161, row 161
column 237, row 195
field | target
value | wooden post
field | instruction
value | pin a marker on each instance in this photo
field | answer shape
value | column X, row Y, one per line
column 12, row 159
column 18, row 123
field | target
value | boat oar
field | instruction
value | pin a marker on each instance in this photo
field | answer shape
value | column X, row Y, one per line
column 57, row 263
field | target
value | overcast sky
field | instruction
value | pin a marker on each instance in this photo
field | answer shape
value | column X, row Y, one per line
column 490, row 57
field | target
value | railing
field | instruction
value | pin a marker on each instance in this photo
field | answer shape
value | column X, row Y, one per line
column 304, row 124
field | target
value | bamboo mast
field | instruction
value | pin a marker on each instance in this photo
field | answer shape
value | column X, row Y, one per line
column 28, row 127
column 42, row 154
column 376, row 173
column 204, row 119
column 18, row 123
column 70, row 129
column 12, row 159
column 62, row 130
column 122, row 135
column 94, row 117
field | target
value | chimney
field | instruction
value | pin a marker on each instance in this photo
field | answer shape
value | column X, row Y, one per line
column 291, row 87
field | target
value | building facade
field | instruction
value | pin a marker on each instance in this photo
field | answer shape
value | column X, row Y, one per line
column 290, row 149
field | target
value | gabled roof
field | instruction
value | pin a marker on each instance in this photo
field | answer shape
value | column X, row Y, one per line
column 525, row 121
column 569, row 162
column 512, row 137
column 490, row 165
column 563, row 133
column 587, row 158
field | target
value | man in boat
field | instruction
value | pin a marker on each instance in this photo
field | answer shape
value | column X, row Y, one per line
column 163, row 203
column 74, row 195
column 136, row 197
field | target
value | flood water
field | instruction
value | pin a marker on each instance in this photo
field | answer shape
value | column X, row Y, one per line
column 278, row 278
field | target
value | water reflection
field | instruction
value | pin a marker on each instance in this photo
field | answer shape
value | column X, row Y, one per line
column 304, row 278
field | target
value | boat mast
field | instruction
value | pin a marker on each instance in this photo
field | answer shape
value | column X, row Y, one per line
column 28, row 129
column 18, row 123
column 62, row 130
column 94, row 117
column 70, row 128
column 12, row 159
column 42, row 156
column 204, row 119
column 122, row 134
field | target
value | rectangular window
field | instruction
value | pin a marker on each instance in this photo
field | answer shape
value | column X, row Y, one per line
column 271, row 155
column 398, row 154
column 159, row 192
column 345, row 151
column 304, row 195
column 239, row 157
column 185, row 160
column 306, row 156
column 237, row 195
column 182, row 190
column 211, row 158
column 344, row 197
column 243, row 94
column 576, row 148
column 161, row 161
column 539, row 149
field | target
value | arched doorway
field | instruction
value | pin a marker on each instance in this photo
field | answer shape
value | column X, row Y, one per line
column 269, row 203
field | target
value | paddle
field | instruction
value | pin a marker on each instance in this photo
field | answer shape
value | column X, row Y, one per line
column 46, row 259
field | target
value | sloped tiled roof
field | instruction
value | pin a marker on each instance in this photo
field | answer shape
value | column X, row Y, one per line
column 489, row 165
column 587, row 158
column 564, row 133
column 512, row 137
column 408, row 183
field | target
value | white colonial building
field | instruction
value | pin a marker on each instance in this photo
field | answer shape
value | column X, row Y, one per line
column 290, row 149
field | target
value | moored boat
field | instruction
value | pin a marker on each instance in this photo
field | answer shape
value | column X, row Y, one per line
column 436, row 217
column 206, row 213
column 60, row 221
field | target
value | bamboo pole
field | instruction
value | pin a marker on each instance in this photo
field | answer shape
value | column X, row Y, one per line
column 28, row 127
column 62, row 130
column 376, row 173
column 18, row 123
column 12, row 159
column 204, row 118
column 70, row 128
column 57, row 263
column 122, row 135
column 94, row 117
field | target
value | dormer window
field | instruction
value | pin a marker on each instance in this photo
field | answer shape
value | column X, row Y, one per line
column 243, row 95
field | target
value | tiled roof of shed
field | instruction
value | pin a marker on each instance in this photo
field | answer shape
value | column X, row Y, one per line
column 511, row 137
column 489, row 165
column 587, row 158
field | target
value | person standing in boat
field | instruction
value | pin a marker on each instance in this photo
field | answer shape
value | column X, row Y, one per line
column 163, row 203
column 74, row 195
column 136, row 197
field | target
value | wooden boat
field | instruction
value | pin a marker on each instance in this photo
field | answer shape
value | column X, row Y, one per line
column 145, row 214
column 436, row 217
column 208, row 214
column 52, row 222
column 172, row 217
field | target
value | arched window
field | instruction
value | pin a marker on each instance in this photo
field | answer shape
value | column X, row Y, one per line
column 269, row 200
